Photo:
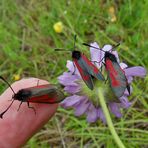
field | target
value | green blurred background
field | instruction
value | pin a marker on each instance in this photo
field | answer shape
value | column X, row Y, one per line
column 27, row 39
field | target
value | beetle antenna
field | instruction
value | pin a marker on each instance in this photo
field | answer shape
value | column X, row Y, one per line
column 1, row 115
column 7, row 83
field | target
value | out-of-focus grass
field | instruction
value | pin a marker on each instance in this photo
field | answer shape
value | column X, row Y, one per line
column 27, row 39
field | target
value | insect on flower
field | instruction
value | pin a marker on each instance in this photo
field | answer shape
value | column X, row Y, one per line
column 48, row 94
column 86, row 68
column 117, row 78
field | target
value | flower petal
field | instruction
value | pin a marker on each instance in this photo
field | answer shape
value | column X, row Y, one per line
column 124, row 102
column 129, row 79
column 123, row 65
column 91, row 114
column 96, row 54
column 71, row 101
column 72, row 89
column 101, row 115
column 135, row 71
column 107, row 47
column 82, row 107
column 114, row 108
column 116, row 55
column 68, row 79
column 71, row 68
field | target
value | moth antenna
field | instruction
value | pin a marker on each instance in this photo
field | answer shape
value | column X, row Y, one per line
column 116, row 45
column 1, row 115
column 61, row 49
column 92, row 46
column 7, row 83
column 100, row 48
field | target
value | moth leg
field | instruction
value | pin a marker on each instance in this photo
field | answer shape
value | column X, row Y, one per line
column 74, row 69
column 31, row 107
column 107, row 76
column 104, row 64
column 19, row 106
column 95, row 62
column 38, row 82
column 98, row 62
column 128, row 88
column 101, row 68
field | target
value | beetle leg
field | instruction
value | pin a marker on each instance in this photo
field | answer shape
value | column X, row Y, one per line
column 19, row 106
column 31, row 107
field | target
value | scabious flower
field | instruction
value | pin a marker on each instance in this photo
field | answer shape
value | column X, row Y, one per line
column 86, row 101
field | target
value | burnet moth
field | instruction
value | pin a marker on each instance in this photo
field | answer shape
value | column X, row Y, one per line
column 116, row 75
column 48, row 94
column 85, row 67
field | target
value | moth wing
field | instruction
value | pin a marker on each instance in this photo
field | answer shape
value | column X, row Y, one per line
column 117, row 78
column 84, row 73
column 92, row 69
column 45, row 94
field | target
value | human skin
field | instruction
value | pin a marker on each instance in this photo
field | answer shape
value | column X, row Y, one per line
column 17, row 127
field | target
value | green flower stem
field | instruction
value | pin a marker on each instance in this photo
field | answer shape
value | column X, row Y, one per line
column 109, row 121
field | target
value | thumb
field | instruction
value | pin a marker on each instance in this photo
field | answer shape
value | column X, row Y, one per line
column 18, row 126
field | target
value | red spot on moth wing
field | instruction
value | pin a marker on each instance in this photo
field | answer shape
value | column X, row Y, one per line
column 79, row 68
column 110, row 67
column 94, row 68
column 43, row 99
column 84, row 75
column 114, row 81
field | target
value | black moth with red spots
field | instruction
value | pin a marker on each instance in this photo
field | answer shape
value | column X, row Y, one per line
column 85, row 67
column 47, row 94
column 117, row 78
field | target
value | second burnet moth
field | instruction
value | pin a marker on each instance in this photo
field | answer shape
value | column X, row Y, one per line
column 47, row 94
column 85, row 67
column 117, row 78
